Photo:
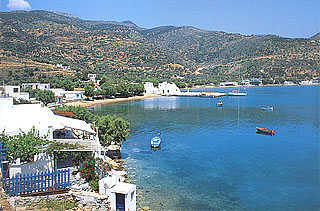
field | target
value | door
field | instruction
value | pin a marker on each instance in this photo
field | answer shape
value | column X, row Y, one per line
column 120, row 202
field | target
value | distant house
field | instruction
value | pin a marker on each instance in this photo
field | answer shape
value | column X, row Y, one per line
column 245, row 82
column 14, row 91
column 168, row 89
column 41, row 86
column 228, row 83
column 288, row 83
column 164, row 88
column 149, row 88
column 255, row 81
column 63, row 95
column 73, row 95
column 306, row 82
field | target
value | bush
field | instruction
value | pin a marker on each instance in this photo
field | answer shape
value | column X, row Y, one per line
column 94, row 184
column 92, row 170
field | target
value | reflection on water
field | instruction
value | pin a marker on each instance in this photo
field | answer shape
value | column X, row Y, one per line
column 212, row 159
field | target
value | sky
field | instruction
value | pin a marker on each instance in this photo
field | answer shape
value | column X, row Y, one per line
column 286, row 18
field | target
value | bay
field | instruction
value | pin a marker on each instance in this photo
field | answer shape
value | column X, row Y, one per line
column 211, row 158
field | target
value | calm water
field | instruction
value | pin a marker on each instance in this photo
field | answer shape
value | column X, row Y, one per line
column 212, row 159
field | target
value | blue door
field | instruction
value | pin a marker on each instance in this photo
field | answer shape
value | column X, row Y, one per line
column 120, row 202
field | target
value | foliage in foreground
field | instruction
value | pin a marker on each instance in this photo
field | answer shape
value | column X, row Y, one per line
column 110, row 128
column 26, row 145
column 92, row 170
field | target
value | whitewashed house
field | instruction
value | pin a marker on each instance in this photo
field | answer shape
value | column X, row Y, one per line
column 63, row 95
column 73, row 95
column 164, row 88
column 14, row 91
column 245, row 82
column 288, row 83
column 149, row 88
column 121, row 195
column 229, row 83
column 22, row 118
column 41, row 86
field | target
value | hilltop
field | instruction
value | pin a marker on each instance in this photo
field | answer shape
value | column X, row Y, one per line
column 38, row 40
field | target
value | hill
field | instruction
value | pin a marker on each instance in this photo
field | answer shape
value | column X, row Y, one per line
column 38, row 40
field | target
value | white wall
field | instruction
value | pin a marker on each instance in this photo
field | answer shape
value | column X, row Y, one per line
column 42, row 163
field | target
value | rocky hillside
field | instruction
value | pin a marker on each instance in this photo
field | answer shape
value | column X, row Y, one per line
column 40, row 39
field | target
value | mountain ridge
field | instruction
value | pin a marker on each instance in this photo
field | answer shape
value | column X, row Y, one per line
column 124, row 48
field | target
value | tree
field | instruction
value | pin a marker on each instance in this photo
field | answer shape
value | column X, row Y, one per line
column 45, row 96
column 68, row 85
column 112, row 129
column 89, row 91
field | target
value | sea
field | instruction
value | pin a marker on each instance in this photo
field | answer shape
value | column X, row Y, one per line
column 211, row 158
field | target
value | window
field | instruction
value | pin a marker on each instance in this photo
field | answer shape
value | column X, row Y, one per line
column 15, row 90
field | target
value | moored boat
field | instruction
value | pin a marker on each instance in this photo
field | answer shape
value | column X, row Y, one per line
column 267, row 108
column 219, row 104
column 237, row 93
column 265, row 130
column 155, row 141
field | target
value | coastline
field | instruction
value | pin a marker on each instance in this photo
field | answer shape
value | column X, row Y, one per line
column 108, row 101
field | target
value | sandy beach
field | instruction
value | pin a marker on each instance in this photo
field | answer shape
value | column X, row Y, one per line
column 107, row 101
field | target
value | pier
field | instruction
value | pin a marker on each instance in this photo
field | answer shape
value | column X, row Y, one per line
column 202, row 94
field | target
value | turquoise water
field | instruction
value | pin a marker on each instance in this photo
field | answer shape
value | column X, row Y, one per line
column 212, row 159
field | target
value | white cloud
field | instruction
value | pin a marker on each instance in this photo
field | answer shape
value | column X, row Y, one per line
column 18, row 5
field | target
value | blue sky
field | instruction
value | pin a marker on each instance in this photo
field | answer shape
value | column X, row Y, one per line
column 295, row 18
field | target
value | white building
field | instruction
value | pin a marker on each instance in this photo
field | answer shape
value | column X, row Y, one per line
column 288, row 83
column 22, row 118
column 73, row 95
column 245, row 82
column 121, row 195
column 229, row 83
column 308, row 82
column 14, row 91
column 63, row 95
column 164, row 88
column 149, row 88
column 41, row 86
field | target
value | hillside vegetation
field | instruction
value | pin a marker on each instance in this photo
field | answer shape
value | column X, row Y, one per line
column 36, row 41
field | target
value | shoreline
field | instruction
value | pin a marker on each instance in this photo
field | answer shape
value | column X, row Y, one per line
column 135, row 98
column 109, row 101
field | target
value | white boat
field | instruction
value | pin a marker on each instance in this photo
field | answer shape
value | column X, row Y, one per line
column 219, row 104
column 155, row 141
column 237, row 93
column 267, row 108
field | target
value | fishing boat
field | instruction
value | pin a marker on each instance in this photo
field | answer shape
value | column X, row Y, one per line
column 267, row 108
column 237, row 93
column 155, row 141
column 265, row 131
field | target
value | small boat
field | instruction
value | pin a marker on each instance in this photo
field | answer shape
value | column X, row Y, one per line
column 155, row 142
column 265, row 131
column 219, row 104
column 267, row 108
column 237, row 93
